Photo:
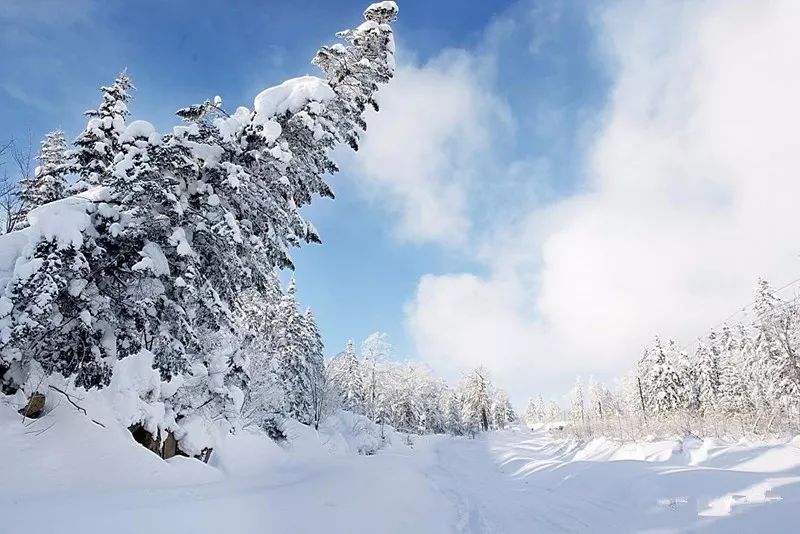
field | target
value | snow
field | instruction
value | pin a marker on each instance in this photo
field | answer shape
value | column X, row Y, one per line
column 62, row 221
column 178, row 240
column 292, row 95
column 511, row 481
column 134, row 379
column 153, row 259
column 139, row 129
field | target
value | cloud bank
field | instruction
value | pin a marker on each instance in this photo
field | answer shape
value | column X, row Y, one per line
column 688, row 195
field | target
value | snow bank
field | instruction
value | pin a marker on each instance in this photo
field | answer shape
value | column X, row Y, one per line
column 339, row 434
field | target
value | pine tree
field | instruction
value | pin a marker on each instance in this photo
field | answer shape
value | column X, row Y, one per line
column 777, row 326
column 317, row 378
column 290, row 352
column 502, row 411
column 54, row 315
column 532, row 414
column 348, row 376
column 665, row 385
column 453, row 420
column 707, row 373
column 734, row 397
column 477, row 404
column 374, row 349
column 98, row 145
column 48, row 183
column 577, row 412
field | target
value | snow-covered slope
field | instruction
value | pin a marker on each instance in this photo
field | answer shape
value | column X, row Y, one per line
column 65, row 473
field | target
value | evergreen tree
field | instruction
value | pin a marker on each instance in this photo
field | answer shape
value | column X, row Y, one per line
column 734, row 397
column 348, row 376
column 777, row 326
column 707, row 373
column 54, row 315
column 664, row 389
column 48, row 183
column 477, row 404
column 532, row 414
column 577, row 412
column 502, row 411
column 98, row 145
column 292, row 360
column 453, row 420
column 374, row 349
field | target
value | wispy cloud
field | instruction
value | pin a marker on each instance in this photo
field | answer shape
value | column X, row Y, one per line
column 425, row 149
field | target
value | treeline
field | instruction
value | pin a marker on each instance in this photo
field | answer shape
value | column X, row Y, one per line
column 741, row 380
column 411, row 399
column 163, row 248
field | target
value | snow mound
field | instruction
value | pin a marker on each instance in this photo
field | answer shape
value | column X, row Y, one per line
column 292, row 95
column 62, row 221
column 139, row 129
column 343, row 433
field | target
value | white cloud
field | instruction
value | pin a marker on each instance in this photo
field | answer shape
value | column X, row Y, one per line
column 691, row 191
column 421, row 153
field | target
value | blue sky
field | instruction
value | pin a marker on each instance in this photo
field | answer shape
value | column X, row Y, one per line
column 548, row 184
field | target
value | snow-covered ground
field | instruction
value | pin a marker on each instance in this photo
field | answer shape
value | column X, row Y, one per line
column 65, row 474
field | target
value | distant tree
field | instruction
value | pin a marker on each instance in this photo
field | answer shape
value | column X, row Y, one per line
column 48, row 182
column 477, row 403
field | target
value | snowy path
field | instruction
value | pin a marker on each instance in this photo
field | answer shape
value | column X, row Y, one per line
column 492, row 497
column 504, row 482
column 520, row 482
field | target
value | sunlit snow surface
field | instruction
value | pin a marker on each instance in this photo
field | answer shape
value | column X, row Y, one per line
column 65, row 474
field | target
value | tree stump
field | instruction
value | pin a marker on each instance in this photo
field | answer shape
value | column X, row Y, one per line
column 34, row 407
column 170, row 448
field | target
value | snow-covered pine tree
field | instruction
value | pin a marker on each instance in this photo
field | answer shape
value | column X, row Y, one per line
column 531, row 416
column 374, row 349
column 554, row 412
column 778, row 327
column 502, row 411
column 264, row 402
column 97, row 146
column 48, row 183
column 292, row 361
column 347, row 374
column 318, row 385
column 477, row 403
column 734, row 394
column 599, row 400
column 452, row 408
column 577, row 410
column 666, row 388
column 407, row 411
column 707, row 376
column 52, row 313
column 432, row 394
